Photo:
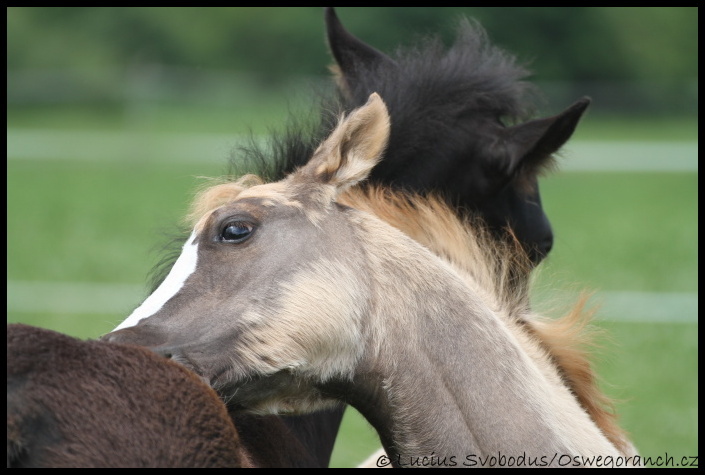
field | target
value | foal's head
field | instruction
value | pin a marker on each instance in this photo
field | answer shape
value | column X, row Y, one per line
column 459, row 126
column 271, row 281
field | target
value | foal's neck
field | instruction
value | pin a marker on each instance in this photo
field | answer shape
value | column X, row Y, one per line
column 445, row 377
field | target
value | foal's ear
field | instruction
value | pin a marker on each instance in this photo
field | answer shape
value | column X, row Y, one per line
column 531, row 145
column 353, row 57
column 353, row 148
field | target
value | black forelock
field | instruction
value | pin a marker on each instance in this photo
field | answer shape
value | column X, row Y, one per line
column 470, row 76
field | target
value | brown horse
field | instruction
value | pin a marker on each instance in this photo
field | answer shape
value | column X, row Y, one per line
column 309, row 302
column 73, row 403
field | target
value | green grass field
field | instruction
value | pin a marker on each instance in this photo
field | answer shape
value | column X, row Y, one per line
column 103, row 222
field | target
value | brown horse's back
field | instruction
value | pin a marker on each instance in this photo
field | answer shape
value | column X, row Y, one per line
column 73, row 403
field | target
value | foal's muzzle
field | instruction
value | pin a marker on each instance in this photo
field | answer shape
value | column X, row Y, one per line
column 139, row 336
column 152, row 341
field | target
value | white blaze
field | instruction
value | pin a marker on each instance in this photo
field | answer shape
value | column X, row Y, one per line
column 183, row 267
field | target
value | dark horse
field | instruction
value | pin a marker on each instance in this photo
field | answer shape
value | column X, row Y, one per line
column 460, row 127
column 73, row 403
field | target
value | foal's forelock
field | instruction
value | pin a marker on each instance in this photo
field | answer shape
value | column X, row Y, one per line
column 249, row 186
column 215, row 196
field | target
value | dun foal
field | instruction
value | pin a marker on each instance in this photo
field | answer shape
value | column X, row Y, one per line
column 287, row 301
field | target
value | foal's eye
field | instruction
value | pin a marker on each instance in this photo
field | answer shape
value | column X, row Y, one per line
column 236, row 231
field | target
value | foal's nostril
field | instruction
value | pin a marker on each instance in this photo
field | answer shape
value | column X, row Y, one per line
column 166, row 352
column 107, row 337
column 116, row 337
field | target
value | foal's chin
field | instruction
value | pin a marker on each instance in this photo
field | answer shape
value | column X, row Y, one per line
column 281, row 392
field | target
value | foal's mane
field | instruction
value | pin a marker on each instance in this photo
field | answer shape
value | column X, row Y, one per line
column 500, row 269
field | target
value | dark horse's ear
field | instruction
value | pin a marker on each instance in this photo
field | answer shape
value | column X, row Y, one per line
column 352, row 55
column 531, row 145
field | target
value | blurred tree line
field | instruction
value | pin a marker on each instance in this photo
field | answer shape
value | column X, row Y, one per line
column 654, row 45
